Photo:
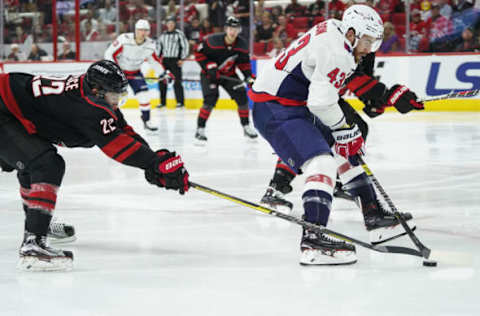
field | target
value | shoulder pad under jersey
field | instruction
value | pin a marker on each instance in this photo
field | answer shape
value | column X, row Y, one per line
column 216, row 40
column 241, row 43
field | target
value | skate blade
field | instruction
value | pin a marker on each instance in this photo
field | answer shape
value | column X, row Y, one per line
column 381, row 235
column 56, row 241
column 199, row 143
column 317, row 258
column 278, row 208
column 34, row 264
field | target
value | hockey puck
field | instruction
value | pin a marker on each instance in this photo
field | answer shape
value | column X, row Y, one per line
column 429, row 263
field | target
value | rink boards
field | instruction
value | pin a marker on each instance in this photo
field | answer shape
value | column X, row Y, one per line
column 427, row 75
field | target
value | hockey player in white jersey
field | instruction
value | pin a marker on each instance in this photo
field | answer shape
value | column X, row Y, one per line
column 296, row 110
column 129, row 51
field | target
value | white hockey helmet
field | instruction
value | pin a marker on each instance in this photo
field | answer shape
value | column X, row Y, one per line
column 142, row 25
column 364, row 20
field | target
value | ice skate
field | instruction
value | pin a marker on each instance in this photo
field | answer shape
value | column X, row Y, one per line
column 148, row 126
column 273, row 199
column 249, row 132
column 339, row 192
column 322, row 249
column 60, row 233
column 200, row 138
column 36, row 255
column 383, row 225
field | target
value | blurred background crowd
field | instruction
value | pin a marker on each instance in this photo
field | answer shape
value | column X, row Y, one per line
column 430, row 26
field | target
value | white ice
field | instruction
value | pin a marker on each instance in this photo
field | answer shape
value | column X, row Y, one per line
column 142, row 250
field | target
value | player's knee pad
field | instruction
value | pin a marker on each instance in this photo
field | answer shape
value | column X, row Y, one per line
column 347, row 171
column 49, row 167
column 144, row 100
column 320, row 173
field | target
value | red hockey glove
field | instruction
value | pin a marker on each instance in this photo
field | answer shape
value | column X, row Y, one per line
column 167, row 171
column 348, row 141
column 402, row 99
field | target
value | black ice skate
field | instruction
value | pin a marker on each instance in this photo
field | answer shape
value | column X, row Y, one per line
column 200, row 137
column 147, row 126
column 322, row 249
column 36, row 255
column 383, row 225
column 339, row 192
column 249, row 132
column 60, row 233
column 274, row 199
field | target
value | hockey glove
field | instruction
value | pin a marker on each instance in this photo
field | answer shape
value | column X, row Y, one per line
column 167, row 77
column 348, row 141
column 402, row 99
column 167, row 171
column 250, row 80
column 213, row 75
column 373, row 108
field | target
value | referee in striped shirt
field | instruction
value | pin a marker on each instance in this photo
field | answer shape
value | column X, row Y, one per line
column 173, row 46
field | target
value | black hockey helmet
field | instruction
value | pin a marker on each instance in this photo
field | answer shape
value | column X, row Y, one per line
column 106, row 76
column 232, row 21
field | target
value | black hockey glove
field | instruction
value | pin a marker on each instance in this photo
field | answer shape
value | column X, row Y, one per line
column 250, row 80
column 373, row 107
column 167, row 77
column 5, row 167
column 167, row 171
column 402, row 99
column 213, row 75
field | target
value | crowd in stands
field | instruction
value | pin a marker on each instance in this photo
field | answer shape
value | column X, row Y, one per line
column 435, row 25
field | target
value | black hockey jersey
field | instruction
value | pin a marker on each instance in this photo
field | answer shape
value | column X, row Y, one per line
column 213, row 49
column 60, row 110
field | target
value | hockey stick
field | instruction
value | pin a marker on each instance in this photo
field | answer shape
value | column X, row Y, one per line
column 317, row 228
column 425, row 252
column 453, row 95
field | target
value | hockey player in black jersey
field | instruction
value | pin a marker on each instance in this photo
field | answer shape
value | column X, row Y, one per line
column 219, row 55
column 355, row 184
column 37, row 112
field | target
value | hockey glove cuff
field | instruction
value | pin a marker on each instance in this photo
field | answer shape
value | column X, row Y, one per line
column 167, row 171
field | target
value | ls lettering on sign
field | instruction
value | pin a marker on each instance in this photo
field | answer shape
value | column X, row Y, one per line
column 462, row 75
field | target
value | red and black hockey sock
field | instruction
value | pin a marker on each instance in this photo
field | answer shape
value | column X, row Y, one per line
column 243, row 114
column 38, row 203
column 203, row 116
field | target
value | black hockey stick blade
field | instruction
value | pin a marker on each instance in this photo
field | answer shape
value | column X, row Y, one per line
column 293, row 219
column 424, row 251
column 453, row 95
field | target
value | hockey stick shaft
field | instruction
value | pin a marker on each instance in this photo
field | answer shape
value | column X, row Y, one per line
column 453, row 95
column 425, row 251
column 293, row 219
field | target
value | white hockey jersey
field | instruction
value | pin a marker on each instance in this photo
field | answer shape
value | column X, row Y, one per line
column 310, row 72
column 130, row 56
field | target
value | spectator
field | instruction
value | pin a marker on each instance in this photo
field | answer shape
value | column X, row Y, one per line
column 336, row 8
column 390, row 39
column 90, row 34
column 216, row 14
column 67, row 52
column 242, row 12
column 192, row 32
column 20, row 35
column 278, row 47
column 15, row 54
column 468, row 41
column 205, row 29
column 462, row 5
column 191, row 11
column 89, row 18
column 445, row 8
column 37, row 54
column 437, row 27
column 285, row 31
column 426, row 9
column 108, row 14
column 417, row 30
column 276, row 12
column 264, row 33
column 316, row 9
column 295, row 9
column 172, row 8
